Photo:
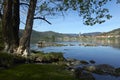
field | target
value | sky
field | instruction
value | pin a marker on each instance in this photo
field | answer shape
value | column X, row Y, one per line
column 72, row 23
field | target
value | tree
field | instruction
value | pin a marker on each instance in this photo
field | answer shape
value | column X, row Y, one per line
column 92, row 11
column 10, row 24
column 1, row 39
column 15, row 23
column 7, row 24
column 24, row 44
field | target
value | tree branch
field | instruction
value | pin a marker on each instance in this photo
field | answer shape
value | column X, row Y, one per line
column 25, row 4
column 42, row 18
column 22, row 22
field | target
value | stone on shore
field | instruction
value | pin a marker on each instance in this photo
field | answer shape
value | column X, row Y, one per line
column 92, row 61
column 83, row 75
column 103, row 69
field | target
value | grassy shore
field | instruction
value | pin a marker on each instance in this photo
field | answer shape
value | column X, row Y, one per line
column 36, row 72
column 14, row 67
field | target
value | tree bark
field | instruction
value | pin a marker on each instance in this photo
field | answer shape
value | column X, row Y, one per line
column 6, row 24
column 15, row 24
column 10, row 25
column 24, row 45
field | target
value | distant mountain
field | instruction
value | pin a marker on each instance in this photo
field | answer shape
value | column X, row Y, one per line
column 47, row 36
column 91, row 34
column 113, row 32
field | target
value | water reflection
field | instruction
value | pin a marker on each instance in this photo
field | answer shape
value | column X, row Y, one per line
column 115, row 43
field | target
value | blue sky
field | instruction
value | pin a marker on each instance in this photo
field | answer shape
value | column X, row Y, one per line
column 72, row 23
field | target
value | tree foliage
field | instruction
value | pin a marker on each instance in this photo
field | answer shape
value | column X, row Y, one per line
column 92, row 11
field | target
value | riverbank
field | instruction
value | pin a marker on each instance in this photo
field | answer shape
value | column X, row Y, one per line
column 53, row 65
column 19, row 68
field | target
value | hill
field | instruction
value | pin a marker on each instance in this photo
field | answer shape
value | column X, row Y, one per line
column 112, row 33
column 92, row 34
column 48, row 36
column 55, row 36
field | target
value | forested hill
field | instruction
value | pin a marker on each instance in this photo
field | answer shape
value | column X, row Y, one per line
column 113, row 32
column 53, row 36
column 47, row 35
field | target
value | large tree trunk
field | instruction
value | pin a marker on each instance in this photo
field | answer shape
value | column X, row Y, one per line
column 10, row 25
column 6, row 24
column 24, row 45
column 15, row 25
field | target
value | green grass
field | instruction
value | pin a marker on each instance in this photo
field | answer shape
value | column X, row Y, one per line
column 36, row 72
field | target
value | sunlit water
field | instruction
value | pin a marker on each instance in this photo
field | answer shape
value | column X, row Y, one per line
column 100, row 54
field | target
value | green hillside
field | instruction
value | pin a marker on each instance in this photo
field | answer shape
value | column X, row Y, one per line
column 115, row 32
column 54, row 36
column 112, row 33
column 47, row 36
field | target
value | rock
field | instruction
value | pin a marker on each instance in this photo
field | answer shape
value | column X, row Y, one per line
column 72, row 70
column 78, row 72
column 70, row 59
column 72, row 45
column 101, row 69
column 86, row 44
column 84, row 62
column 106, row 68
column 117, row 72
column 69, row 68
column 38, row 60
column 90, row 68
column 92, row 61
column 75, row 63
column 83, row 75
column 86, row 76
column 68, row 64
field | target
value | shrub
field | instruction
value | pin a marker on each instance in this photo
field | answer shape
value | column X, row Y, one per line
column 8, row 60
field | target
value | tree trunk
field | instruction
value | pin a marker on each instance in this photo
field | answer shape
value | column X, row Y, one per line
column 24, row 45
column 10, row 25
column 15, row 24
column 6, row 24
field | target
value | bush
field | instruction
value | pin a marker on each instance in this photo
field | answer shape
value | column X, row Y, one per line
column 8, row 60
